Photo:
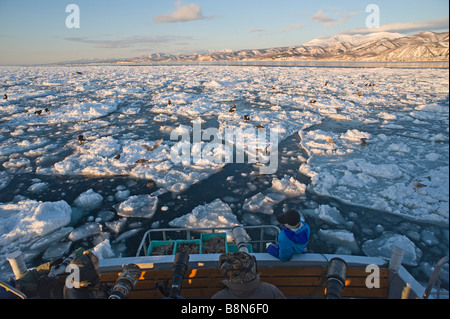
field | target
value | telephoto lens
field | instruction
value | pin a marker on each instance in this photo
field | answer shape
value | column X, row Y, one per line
column 180, row 265
column 336, row 276
column 240, row 238
column 126, row 282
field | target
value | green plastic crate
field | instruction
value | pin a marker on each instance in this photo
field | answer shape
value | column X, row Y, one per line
column 204, row 237
column 188, row 241
column 158, row 243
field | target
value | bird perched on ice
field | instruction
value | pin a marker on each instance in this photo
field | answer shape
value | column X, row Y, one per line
column 246, row 118
column 233, row 109
column 417, row 185
column 141, row 161
column 363, row 141
column 5, row 97
column 81, row 139
column 151, row 148
column 38, row 112
column 312, row 102
column 330, row 140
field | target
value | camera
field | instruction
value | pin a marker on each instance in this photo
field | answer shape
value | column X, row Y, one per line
column 240, row 238
column 180, row 265
column 336, row 276
column 126, row 282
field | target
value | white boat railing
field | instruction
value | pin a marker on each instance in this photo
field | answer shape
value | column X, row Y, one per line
column 259, row 235
column 435, row 277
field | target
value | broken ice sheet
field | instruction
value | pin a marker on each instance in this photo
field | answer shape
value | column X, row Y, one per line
column 142, row 206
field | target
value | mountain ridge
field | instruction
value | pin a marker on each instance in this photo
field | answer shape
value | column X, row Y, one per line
column 387, row 47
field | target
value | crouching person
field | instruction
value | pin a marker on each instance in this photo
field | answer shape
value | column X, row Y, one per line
column 293, row 237
column 83, row 283
column 242, row 280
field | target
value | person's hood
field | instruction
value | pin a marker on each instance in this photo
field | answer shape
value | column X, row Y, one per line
column 299, row 235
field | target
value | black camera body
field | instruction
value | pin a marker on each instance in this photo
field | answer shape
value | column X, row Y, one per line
column 180, row 265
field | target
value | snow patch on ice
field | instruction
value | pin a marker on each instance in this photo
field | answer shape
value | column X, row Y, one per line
column 214, row 214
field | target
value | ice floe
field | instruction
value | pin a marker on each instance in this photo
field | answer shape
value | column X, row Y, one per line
column 27, row 221
column 142, row 206
column 214, row 214
column 383, row 246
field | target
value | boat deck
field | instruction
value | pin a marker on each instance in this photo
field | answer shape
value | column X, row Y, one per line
column 302, row 277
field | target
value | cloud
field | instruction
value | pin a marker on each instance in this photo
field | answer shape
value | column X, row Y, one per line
column 133, row 41
column 405, row 27
column 329, row 22
column 321, row 17
column 256, row 30
column 184, row 13
column 291, row 27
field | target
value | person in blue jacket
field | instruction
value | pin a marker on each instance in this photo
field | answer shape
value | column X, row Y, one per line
column 293, row 237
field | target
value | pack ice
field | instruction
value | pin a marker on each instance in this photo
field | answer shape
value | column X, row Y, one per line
column 381, row 147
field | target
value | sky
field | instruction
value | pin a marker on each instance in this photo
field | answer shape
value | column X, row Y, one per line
column 42, row 31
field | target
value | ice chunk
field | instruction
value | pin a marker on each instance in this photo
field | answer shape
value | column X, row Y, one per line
column 46, row 241
column 383, row 246
column 263, row 203
column 121, row 195
column 212, row 84
column 105, row 146
column 116, row 226
column 142, row 206
column 15, row 164
column 79, row 112
column 5, row 178
column 104, row 250
column 340, row 237
column 214, row 214
column 330, row 214
column 355, row 135
column 127, row 234
column 161, row 118
column 29, row 219
column 85, row 231
column 37, row 187
column 387, row 171
column 281, row 189
column 89, row 200
column 289, row 186
column 105, row 215
column 56, row 250
column 428, row 237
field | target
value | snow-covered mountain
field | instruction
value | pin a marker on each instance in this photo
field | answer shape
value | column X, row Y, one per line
column 351, row 40
column 380, row 46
